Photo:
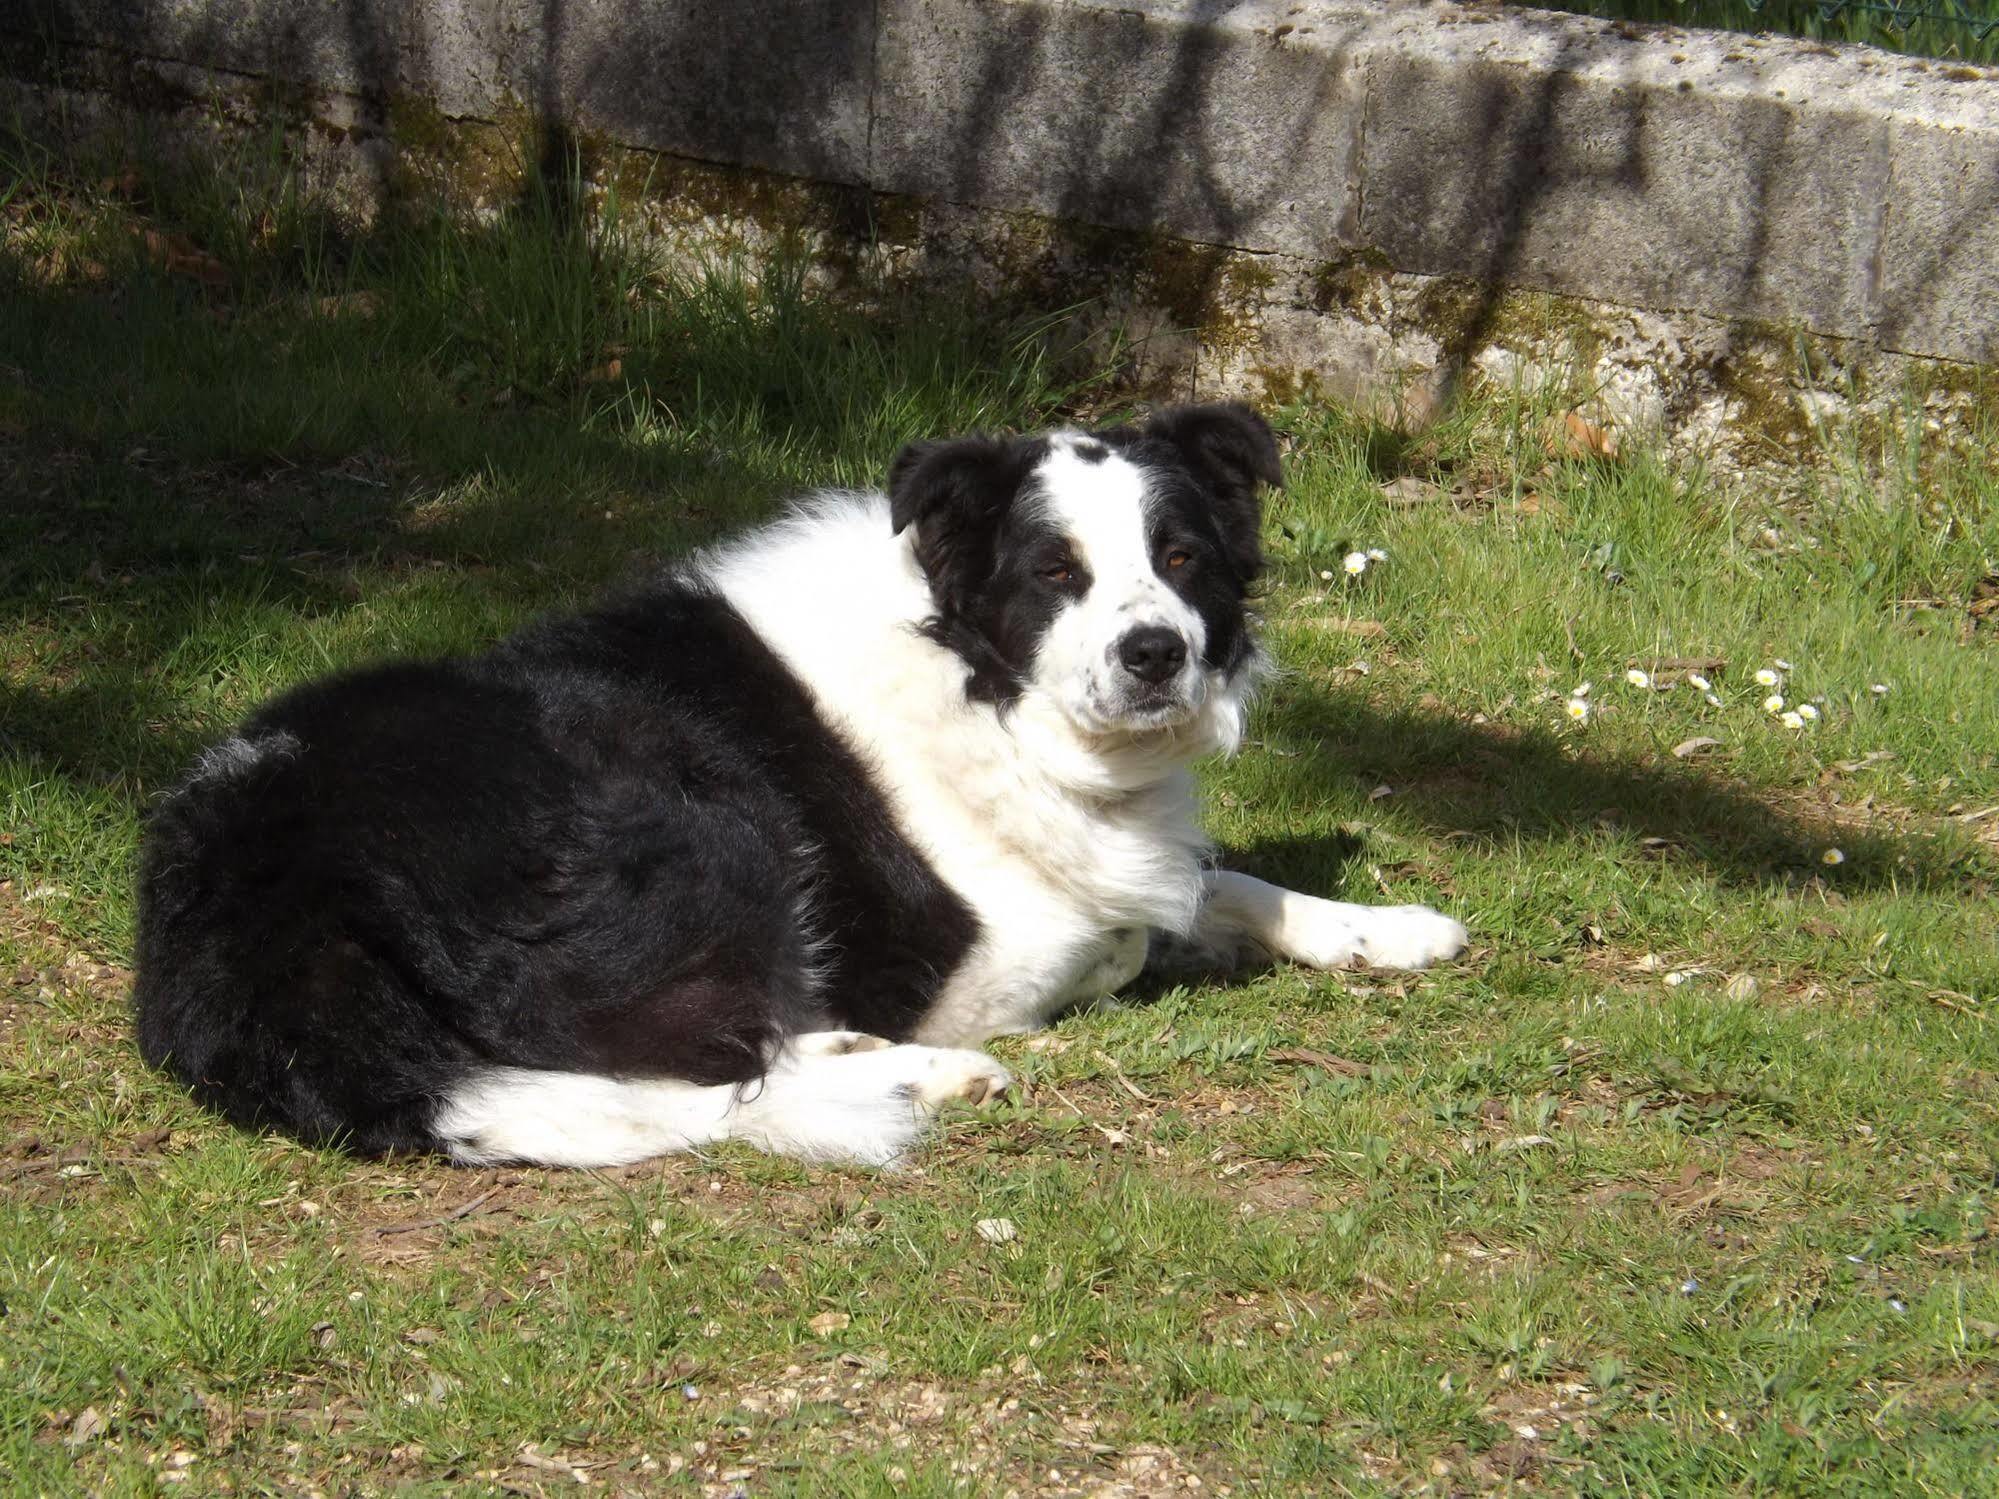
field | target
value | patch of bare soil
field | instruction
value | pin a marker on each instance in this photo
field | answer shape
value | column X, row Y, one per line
column 1008, row 1431
column 1717, row 1197
column 1528, row 1420
column 1487, row 1260
column 25, row 924
column 1836, row 802
column 1257, row 1190
column 1005, row 1433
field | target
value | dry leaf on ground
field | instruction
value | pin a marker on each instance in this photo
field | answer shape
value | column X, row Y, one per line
column 1410, row 490
column 178, row 255
column 1581, row 438
column 361, row 304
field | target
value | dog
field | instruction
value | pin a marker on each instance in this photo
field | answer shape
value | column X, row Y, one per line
column 761, row 849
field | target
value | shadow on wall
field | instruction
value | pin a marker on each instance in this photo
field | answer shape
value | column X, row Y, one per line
column 1339, row 138
column 783, row 86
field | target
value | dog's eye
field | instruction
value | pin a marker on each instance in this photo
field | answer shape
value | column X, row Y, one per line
column 1179, row 557
column 1058, row 572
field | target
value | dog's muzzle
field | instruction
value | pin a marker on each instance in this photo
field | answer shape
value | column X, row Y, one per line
column 1153, row 654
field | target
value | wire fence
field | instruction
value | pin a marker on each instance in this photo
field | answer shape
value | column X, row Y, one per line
column 1903, row 17
column 1966, row 30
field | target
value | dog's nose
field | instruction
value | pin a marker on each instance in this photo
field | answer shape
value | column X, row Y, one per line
column 1152, row 653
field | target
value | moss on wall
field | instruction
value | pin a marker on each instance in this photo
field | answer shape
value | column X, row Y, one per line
column 1204, row 308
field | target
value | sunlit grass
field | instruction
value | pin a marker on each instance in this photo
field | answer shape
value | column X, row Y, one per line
column 1679, row 1183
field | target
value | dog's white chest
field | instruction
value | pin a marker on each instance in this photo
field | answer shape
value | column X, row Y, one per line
column 1063, row 907
column 1062, row 845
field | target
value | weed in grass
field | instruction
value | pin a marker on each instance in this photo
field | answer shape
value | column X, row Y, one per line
column 1544, row 1220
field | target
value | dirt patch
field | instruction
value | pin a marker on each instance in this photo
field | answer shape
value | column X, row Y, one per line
column 1286, row 1189
column 1115, row 1115
column 63, row 1023
column 26, row 924
column 1532, row 1417
column 414, row 1213
column 403, row 1230
column 978, row 1430
column 1717, row 1197
column 1487, row 1260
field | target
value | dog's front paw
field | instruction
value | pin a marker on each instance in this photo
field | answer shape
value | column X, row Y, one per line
column 949, row 1074
column 1333, row 934
column 1409, row 937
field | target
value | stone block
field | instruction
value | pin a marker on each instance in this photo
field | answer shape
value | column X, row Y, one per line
column 1232, row 125
column 1848, row 191
column 1677, row 175
column 1939, row 281
column 781, row 85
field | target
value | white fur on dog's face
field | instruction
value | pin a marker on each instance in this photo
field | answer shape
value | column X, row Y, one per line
column 1096, row 581
column 1100, row 508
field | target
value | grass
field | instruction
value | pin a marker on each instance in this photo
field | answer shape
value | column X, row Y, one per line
column 1681, row 1183
column 1955, row 30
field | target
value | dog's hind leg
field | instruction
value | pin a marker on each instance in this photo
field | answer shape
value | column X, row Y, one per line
column 863, row 1107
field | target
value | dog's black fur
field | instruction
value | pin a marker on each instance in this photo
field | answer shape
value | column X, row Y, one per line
column 589, row 850
column 622, row 843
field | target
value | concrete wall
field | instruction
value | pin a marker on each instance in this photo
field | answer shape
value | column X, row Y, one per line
column 1843, row 191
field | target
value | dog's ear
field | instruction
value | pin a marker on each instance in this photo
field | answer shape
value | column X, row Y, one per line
column 954, row 494
column 1224, row 442
column 1233, row 452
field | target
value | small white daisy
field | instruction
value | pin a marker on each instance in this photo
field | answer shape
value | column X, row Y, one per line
column 1879, row 689
column 1713, row 701
column 1376, row 554
column 1768, row 678
column 1792, row 719
column 1832, row 856
column 1638, row 678
column 1699, row 682
column 1325, row 575
column 1774, row 703
column 1781, row 664
column 1582, row 689
column 1355, row 564
column 1579, row 709
column 1808, row 713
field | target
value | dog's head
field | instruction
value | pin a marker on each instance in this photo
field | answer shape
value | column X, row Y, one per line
column 1102, row 574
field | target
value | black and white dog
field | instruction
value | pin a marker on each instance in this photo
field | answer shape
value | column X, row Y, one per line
column 755, row 851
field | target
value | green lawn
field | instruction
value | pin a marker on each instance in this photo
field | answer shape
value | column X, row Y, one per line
column 1681, row 1182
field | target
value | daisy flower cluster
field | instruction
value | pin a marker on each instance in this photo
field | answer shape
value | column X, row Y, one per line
column 1356, row 563
column 1771, row 682
column 1773, row 679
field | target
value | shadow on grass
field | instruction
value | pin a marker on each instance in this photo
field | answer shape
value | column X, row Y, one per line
column 211, row 461
column 145, row 600
column 1491, row 786
column 173, row 563
column 200, row 476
